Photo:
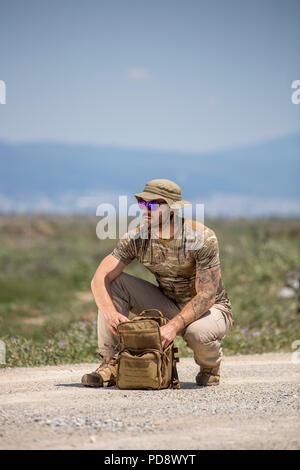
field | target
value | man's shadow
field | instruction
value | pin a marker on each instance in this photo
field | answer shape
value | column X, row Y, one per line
column 183, row 386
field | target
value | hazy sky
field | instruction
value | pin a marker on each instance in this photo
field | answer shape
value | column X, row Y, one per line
column 187, row 75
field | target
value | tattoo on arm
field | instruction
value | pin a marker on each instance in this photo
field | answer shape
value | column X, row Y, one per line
column 195, row 312
column 207, row 277
column 206, row 286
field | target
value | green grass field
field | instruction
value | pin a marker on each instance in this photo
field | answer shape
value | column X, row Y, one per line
column 47, row 313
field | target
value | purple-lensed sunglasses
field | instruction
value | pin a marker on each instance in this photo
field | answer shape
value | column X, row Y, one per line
column 152, row 205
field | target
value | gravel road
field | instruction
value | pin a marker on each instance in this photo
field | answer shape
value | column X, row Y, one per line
column 256, row 406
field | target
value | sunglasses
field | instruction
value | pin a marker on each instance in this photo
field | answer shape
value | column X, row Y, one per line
column 152, row 205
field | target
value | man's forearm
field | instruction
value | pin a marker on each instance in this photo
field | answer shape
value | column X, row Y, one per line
column 206, row 287
column 193, row 310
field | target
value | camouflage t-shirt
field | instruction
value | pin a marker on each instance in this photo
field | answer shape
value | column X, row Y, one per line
column 174, row 261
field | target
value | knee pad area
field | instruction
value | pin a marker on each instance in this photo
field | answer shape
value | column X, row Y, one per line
column 196, row 336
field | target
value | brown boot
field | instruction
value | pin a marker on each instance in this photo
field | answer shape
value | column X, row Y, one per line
column 208, row 376
column 104, row 376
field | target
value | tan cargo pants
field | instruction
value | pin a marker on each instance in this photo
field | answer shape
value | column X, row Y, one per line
column 203, row 336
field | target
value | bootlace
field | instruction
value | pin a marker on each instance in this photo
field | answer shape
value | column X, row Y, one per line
column 110, row 365
column 208, row 371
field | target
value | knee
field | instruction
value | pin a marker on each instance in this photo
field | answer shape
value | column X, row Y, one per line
column 195, row 335
column 118, row 281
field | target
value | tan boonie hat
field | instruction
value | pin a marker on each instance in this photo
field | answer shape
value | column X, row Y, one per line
column 163, row 189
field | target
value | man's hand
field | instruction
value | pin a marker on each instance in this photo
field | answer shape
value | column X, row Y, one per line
column 167, row 333
column 113, row 319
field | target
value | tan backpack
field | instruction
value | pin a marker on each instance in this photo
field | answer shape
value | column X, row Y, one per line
column 142, row 363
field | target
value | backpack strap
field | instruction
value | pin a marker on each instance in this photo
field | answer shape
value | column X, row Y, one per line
column 175, row 380
column 148, row 310
column 154, row 314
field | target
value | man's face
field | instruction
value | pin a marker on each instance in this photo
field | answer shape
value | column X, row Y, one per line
column 159, row 217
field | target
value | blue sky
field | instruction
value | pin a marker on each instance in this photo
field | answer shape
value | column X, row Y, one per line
column 181, row 75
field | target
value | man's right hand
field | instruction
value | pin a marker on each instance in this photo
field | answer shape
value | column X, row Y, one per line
column 113, row 319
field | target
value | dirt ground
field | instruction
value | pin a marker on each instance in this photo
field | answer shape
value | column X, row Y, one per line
column 256, row 406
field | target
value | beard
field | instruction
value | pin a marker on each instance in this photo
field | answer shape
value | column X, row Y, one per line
column 161, row 223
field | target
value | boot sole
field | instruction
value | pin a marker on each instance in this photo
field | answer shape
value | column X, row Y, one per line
column 211, row 384
column 85, row 381
column 207, row 385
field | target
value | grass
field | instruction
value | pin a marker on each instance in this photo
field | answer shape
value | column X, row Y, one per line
column 47, row 313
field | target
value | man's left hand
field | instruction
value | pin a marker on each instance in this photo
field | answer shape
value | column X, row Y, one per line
column 167, row 333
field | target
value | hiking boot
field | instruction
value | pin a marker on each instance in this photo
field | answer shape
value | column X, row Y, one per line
column 208, row 376
column 104, row 376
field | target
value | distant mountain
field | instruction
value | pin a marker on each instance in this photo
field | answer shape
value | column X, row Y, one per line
column 261, row 179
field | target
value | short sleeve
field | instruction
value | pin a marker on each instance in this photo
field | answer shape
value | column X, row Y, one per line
column 125, row 249
column 208, row 255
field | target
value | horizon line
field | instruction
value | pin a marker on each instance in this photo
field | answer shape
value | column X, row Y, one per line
column 54, row 142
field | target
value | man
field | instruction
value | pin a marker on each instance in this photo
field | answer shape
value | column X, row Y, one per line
column 190, row 292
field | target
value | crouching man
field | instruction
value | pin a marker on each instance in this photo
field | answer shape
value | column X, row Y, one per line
column 190, row 292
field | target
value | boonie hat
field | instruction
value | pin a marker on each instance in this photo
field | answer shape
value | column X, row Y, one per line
column 163, row 189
